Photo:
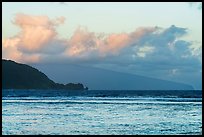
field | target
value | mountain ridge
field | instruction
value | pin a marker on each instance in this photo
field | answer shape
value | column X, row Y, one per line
column 101, row 79
column 22, row 76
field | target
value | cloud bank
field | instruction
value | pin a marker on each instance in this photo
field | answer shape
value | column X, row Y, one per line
column 145, row 50
column 38, row 37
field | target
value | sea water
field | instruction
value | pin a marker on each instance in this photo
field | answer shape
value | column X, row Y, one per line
column 95, row 115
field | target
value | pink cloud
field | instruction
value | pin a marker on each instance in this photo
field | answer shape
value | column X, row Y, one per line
column 36, row 34
column 83, row 42
column 36, row 31
column 10, row 51
column 114, row 42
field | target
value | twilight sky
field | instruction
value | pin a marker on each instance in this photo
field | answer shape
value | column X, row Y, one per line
column 161, row 40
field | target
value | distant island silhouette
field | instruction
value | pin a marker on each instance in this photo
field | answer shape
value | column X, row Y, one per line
column 22, row 76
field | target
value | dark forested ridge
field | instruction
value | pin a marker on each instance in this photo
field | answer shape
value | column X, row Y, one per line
column 22, row 76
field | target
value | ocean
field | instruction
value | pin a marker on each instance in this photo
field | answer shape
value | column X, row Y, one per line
column 46, row 112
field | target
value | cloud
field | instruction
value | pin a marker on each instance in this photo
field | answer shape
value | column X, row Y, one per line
column 37, row 35
column 36, row 31
column 83, row 43
column 10, row 51
column 38, row 39
column 143, row 51
column 115, row 42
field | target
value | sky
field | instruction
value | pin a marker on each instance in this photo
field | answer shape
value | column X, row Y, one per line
column 161, row 40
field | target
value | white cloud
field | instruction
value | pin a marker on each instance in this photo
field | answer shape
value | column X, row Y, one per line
column 143, row 51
